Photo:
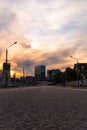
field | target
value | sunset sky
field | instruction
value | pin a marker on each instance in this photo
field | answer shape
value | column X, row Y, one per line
column 48, row 32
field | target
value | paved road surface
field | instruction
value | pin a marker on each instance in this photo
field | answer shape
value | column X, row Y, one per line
column 43, row 83
column 43, row 108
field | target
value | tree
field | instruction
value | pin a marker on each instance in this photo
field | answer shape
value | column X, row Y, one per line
column 57, row 77
column 71, row 74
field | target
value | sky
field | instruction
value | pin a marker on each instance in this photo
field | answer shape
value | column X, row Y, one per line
column 47, row 32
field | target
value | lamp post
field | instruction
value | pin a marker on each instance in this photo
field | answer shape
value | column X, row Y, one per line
column 77, row 69
column 24, row 74
column 7, row 51
column 6, row 80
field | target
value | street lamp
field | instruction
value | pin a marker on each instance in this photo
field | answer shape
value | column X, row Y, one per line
column 77, row 68
column 7, row 51
column 24, row 75
column 6, row 81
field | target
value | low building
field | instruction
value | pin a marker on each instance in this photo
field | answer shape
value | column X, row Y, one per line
column 80, row 66
column 51, row 73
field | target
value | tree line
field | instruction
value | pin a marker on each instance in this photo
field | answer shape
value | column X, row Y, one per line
column 69, row 75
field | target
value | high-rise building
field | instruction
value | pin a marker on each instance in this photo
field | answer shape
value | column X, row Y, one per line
column 40, row 72
column 1, row 78
column 6, row 70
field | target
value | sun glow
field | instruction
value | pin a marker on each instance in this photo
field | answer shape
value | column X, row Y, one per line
column 16, row 74
column 35, row 44
column 12, row 73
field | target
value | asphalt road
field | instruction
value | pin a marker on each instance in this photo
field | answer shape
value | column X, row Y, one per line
column 43, row 108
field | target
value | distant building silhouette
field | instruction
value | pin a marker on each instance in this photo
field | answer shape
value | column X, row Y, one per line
column 40, row 72
column 29, row 80
column 51, row 73
column 0, row 72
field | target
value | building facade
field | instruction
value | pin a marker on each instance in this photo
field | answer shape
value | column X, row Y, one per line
column 40, row 72
column 6, row 70
column 80, row 66
column 51, row 73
